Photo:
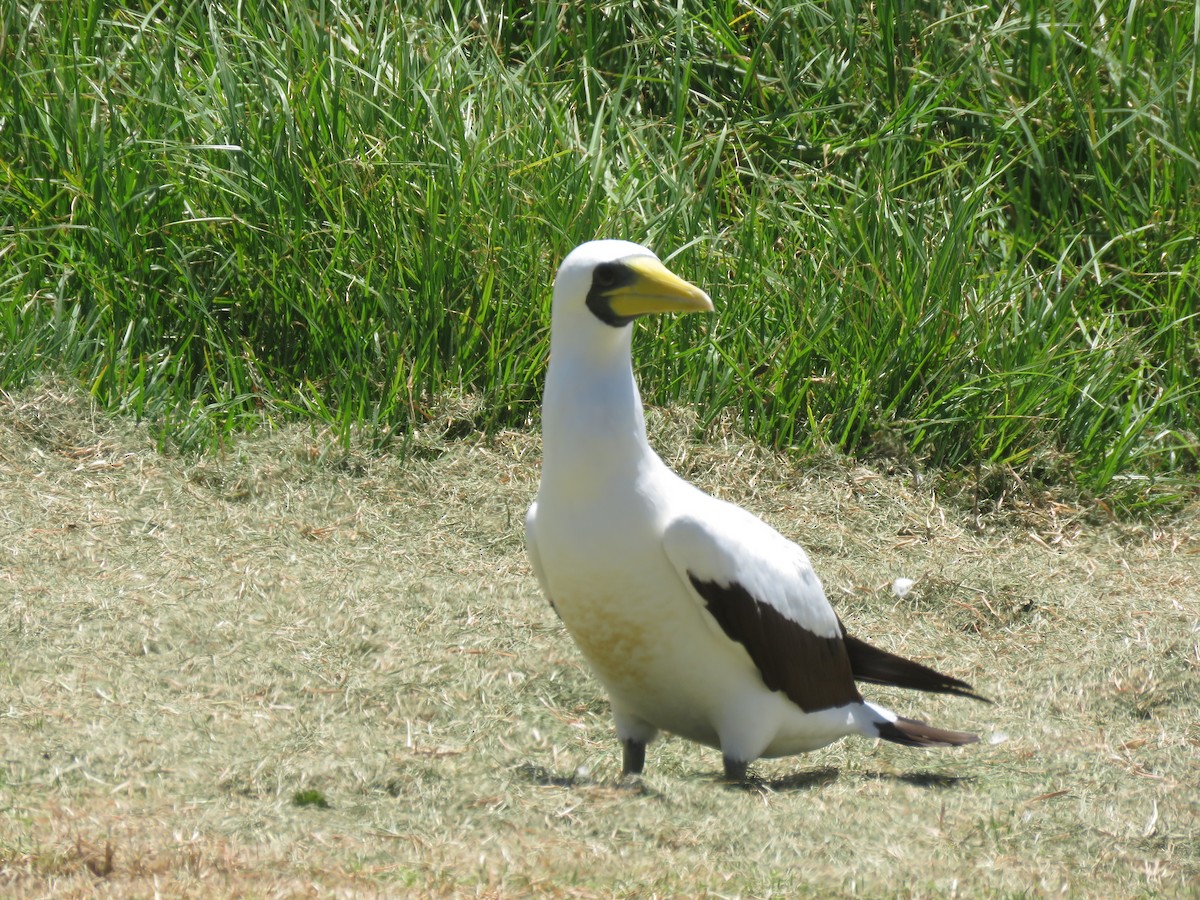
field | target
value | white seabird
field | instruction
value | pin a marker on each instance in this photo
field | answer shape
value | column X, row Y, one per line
column 697, row 617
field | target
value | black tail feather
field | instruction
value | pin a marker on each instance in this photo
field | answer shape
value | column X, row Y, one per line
column 912, row 733
column 877, row 666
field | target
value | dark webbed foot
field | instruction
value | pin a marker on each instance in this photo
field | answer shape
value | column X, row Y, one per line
column 635, row 757
column 735, row 770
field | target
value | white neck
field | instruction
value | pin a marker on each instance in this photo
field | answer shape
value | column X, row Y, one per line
column 592, row 417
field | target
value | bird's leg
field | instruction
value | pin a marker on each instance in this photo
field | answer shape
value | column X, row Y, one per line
column 735, row 770
column 635, row 757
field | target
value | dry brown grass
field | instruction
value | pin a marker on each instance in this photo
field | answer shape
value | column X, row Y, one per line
column 189, row 644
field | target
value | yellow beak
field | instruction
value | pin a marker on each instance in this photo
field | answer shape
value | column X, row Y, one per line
column 656, row 289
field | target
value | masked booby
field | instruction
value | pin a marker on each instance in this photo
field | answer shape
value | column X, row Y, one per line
column 697, row 618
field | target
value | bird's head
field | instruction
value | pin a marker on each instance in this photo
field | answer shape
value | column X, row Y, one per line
column 611, row 283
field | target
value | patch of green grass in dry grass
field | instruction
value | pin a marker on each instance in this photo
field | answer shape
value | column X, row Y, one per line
column 191, row 643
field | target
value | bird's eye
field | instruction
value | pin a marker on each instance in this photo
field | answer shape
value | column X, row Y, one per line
column 605, row 276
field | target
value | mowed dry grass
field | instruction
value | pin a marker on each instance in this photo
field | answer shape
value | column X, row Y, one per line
column 189, row 645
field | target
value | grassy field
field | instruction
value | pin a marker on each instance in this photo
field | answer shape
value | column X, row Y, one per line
column 291, row 669
column 273, row 326
column 955, row 233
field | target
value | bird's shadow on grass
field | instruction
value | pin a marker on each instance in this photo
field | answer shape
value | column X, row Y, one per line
column 809, row 780
column 937, row 780
column 815, row 779
column 543, row 777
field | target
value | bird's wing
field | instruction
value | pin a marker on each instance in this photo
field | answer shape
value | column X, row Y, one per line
column 535, row 559
column 878, row 666
column 761, row 591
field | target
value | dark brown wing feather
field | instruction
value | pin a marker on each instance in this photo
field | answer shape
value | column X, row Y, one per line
column 912, row 733
column 880, row 667
column 814, row 672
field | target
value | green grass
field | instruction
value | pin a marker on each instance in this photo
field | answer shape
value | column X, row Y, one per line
column 964, row 234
